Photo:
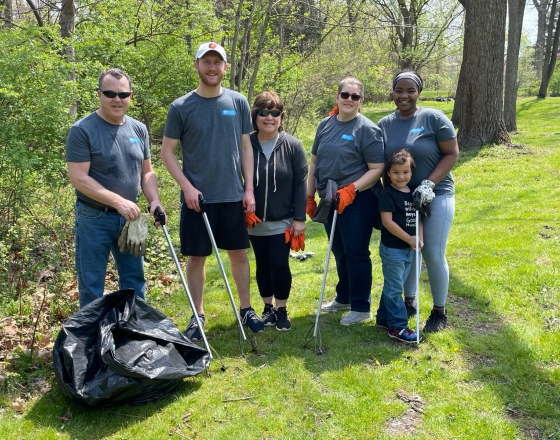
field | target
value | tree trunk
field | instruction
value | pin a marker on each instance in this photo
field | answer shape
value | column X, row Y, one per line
column 551, row 49
column 481, row 119
column 67, row 24
column 7, row 13
column 232, row 65
column 35, row 12
column 258, row 52
column 542, row 10
column 516, row 9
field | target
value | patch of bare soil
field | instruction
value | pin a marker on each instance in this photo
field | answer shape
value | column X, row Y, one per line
column 529, row 430
column 407, row 424
column 469, row 318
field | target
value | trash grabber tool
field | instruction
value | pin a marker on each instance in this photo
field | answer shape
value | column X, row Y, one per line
column 417, row 204
column 316, row 329
column 160, row 217
column 202, row 204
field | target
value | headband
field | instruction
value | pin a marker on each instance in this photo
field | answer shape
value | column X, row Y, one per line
column 408, row 75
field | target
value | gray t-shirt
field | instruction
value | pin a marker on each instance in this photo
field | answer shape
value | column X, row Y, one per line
column 344, row 148
column 210, row 130
column 116, row 153
column 420, row 134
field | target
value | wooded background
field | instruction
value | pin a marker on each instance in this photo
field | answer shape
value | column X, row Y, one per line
column 473, row 51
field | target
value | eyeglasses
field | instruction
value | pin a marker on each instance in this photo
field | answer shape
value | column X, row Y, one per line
column 346, row 95
column 111, row 94
column 264, row 113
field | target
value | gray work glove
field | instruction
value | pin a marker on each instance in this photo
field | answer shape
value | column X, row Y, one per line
column 137, row 235
column 123, row 246
column 426, row 191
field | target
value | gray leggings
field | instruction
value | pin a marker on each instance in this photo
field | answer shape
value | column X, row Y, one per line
column 436, row 231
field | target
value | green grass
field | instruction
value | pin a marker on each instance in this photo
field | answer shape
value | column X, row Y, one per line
column 493, row 374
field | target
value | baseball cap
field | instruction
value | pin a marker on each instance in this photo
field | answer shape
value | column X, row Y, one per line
column 206, row 47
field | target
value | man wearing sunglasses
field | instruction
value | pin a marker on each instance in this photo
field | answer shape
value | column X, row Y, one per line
column 108, row 159
column 212, row 124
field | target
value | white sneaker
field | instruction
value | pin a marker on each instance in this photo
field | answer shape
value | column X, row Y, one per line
column 355, row 318
column 334, row 306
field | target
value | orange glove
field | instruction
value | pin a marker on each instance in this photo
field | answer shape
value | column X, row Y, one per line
column 346, row 196
column 251, row 220
column 296, row 243
column 311, row 206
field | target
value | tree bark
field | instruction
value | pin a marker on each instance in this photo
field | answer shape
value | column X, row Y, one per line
column 35, row 12
column 480, row 116
column 551, row 49
column 542, row 7
column 516, row 10
column 67, row 25
column 258, row 52
column 7, row 13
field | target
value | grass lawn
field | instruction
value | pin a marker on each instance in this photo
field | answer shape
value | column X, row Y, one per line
column 494, row 373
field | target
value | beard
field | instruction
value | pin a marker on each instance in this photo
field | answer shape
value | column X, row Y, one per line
column 214, row 81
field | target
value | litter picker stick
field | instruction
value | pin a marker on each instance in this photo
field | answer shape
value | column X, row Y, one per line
column 417, row 205
column 160, row 217
column 202, row 204
column 331, row 237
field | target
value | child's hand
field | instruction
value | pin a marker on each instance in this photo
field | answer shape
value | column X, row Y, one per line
column 412, row 242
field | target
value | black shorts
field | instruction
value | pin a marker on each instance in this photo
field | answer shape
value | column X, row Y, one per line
column 227, row 221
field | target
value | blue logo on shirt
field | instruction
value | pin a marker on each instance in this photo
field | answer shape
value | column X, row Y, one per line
column 347, row 137
column 228, row 112
column 416, row 130
column 134, row 140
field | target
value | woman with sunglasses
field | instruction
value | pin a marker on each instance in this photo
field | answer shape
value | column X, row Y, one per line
column 279, row 179
column 432, row 140
column 347, row 159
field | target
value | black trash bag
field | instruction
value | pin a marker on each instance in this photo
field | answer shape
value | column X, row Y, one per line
column 119, row 349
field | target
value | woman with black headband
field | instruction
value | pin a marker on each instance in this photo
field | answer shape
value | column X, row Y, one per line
column 432, row 139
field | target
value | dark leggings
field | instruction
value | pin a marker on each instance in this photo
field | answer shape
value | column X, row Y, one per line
column 274, row 277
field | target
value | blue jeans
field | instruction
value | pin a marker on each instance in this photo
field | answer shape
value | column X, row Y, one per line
column 96, row 235
column 396, row 264
column 351, row 251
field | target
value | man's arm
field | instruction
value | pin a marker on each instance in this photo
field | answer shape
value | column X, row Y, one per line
column 247, row 169
column 80, row 179
column 168, row 147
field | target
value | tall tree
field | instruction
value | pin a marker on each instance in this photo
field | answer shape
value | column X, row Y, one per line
column 551, row 48
column 478, row 107
column 6, row 13
column 416, row 27
column 542, row 7
column 67, row 24
column 515, row 14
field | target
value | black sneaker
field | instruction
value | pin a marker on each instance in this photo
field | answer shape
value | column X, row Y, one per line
column 410, row 304
column 436, row 322
column 403, row 335
column 283, row 324
column 193, row 332
column 252, row 320
column 269, row 315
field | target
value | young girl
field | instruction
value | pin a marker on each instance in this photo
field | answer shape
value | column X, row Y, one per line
column 398, row 241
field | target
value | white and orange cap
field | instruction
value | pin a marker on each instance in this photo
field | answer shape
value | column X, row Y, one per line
column 207, row 47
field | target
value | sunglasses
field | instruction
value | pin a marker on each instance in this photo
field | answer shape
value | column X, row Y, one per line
column 346, row 95
column 111, row 94
column 265, row 113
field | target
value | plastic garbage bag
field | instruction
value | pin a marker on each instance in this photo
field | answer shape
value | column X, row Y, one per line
column 119, row 349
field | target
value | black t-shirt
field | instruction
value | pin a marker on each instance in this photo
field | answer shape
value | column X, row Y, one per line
column 404, row 215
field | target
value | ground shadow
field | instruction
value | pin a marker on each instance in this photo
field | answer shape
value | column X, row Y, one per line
column 82, row 421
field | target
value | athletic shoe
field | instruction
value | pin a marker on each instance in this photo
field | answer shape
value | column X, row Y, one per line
column 404, row 335
column 269, row 315
column 283, row 324
column 334, row 306
column 410, row 304
column 381, row 324
column 436, row 322
column 355, row 318
column 252, row 320
column 193, row 332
